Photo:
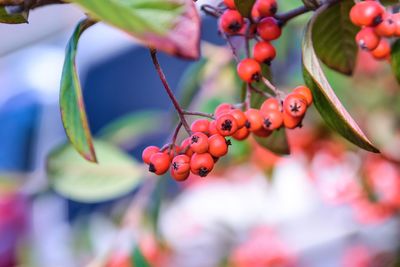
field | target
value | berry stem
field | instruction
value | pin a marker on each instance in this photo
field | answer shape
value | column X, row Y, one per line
column 176, row 132
column 276, row 91
column 285, row 17
column 153, row 53
column 248, row 96
column 231, row 46
column 211, row 10
column 201, row 114
column 258, row 91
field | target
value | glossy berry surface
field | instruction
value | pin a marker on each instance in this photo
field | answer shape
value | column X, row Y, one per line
column 249, row 70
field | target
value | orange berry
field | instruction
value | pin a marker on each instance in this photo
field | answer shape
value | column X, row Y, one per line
column 222, row 108
column 239, row 116
column 241, row 134
column 367, row 13
column 201, row 164
column 218, row 146
column 179, row 177
column 230, row 4
column 254, row 119
column 148, row 152
column 382, row 51
column 226, row 125
column 270, row 103
column 264, row 52
column 231, row 21
column 266, row 8
column 159, row 163
column 272, row 119
column 305, row 92
column 181, row 164
column 387, row 27
column 249, row 70
column 212, row 129
column 291, row 122
column 262, row 132
column 269, row 29
column 367, row 38
column 199, row 143
column 200, row 125
column 295, row 105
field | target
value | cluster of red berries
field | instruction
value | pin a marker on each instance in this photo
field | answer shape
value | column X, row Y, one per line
column 198, row 153
column 377, row 25
column 261, row 23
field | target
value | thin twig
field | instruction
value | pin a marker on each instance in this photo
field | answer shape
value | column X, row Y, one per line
column 153, row 53
column 258, row 91
column 211, row 10
column 274, row 89
column 200, row 114
column 285, row 17
column 231, row 46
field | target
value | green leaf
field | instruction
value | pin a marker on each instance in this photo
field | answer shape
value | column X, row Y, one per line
column 12, row 18
column 276, row 142
column 333, row 37
column 244, row 7
column 73, row 112
column 395, row 59
column 127, row 131
column 172, row 26
column 73, row 177
column 325, row 100
column 138, row 260
column 191, row 82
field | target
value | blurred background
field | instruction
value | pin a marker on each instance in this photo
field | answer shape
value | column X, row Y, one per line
column 327, row 204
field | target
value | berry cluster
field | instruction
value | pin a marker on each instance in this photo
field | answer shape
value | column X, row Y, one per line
column 262, row 25
column 377, row 25
column 198, row 153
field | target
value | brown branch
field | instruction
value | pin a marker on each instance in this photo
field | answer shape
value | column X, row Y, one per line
column 153, row 53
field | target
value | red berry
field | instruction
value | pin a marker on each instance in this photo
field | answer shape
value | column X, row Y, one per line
column 226, row 125
column 254, row 120
column 367, row 13
column 185, row 147
column 200, row 125
column 396, row 19
column 249, row 70
column 367, row 38
column 239, row 116
column 179, row 177
column 230, row 4
column 387, row 27
column 218, row 146
column 241, row 134
column 212, row 129
column 181, row 164
column 148, row 152
column 264, row 52
column 269, row 29
column 231, row 21
column 305, row 92
column 291, row 122
column 201, row 164
column 159, row 163
column 270, row 104
column 382, row 51
column 262, row 132
column 222, row 108
column 272, row 119
column 295, row 105
column 199, row 143
column 266, row 8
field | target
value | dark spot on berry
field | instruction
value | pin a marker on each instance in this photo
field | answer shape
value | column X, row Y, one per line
column 247, row 124
column 194, row 139
column 235, row 26
column 152, row 168
column 267, row 61
column 203, row 172
column 175, row 166
column 267, row 123
column 377, row 20
column 228, row 142
column 256, row 77
column 273, row 9
column 226, row 125
column 295, row 107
